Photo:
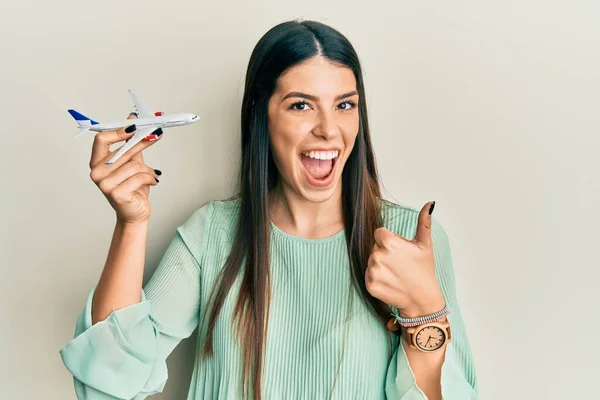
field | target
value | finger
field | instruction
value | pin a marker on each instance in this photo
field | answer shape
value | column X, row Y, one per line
column 423, row 236
column 380, row 233
column 378, row 284
column 124, row 172
column 144, row 191
column 386, row 239
column 103, row 141
column 138, row 147
column 133, row 184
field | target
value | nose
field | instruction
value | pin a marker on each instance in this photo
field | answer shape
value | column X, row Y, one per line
column 327, row 125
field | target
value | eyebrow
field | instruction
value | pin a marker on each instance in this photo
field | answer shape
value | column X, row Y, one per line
column 316, row 98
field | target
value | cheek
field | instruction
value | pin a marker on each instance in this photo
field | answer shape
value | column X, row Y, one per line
column 283, row 144
column 352, row 122
column 287, row 134
column 294, row 128
column 349, row 132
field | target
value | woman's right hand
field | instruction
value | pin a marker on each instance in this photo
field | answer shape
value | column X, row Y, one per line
column 125, row 183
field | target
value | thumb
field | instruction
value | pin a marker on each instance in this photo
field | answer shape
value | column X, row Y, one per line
column 423, row 235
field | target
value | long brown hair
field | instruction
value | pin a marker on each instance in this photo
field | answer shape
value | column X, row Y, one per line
column 282, row 47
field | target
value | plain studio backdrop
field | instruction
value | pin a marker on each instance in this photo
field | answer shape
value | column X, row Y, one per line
column 490, row 108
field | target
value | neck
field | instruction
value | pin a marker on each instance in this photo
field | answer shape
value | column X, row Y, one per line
column 302, row 217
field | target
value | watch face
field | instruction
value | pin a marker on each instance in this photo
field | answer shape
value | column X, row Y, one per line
column 430, row 338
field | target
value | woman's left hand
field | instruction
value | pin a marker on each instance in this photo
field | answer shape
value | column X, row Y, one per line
column 401, row 272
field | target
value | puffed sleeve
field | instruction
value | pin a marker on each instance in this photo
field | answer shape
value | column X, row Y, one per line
column 124, row 356
column 458, row 380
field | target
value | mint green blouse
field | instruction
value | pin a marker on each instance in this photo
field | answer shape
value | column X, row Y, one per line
column 316, row 323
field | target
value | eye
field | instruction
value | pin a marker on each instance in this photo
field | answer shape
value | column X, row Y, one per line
column 298, row 103
column 350, row 103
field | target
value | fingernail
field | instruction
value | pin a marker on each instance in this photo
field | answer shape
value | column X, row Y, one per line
column 431, row 208
column 157, row 172
column 130, row 128
column 154, row 135
column 157, row 180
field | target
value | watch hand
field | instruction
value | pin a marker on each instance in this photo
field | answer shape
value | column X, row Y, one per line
column 427, row 341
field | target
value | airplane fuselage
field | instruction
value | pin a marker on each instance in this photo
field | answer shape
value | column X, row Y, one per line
column 163, row 121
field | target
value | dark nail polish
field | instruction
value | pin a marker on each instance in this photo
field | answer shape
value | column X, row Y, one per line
column 157, row 172
column 130, row 128
column 158, row 132
column 431, row 208
column 157, row 180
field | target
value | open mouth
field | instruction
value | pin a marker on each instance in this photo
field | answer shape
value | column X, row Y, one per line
column 318, row 170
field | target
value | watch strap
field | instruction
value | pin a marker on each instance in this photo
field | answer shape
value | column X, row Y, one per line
column 416, row 321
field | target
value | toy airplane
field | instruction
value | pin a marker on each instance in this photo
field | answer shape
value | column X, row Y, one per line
column 146, row 123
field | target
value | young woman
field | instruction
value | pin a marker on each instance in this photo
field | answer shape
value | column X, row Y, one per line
column 300, row 282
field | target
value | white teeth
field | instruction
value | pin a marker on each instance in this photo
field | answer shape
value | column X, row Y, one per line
column 322, row 155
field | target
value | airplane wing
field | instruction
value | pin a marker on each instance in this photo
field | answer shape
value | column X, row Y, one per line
column 141, row 108
column 137, row 137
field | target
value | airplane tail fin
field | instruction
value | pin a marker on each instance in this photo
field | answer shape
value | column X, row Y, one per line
column 84, row 122
column 82, row 130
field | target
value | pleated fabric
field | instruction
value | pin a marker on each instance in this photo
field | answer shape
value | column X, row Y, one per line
column 322, row 341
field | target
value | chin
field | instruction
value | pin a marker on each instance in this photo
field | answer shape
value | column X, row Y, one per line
column 317, row 196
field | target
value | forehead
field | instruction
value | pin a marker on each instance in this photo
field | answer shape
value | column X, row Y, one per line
column 317, row 76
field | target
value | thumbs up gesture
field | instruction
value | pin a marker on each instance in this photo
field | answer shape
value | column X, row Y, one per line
column 401, row 272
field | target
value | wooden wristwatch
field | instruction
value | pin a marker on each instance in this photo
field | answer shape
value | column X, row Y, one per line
column 428, row 337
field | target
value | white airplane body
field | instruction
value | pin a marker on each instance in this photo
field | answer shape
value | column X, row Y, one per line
column 146, row 123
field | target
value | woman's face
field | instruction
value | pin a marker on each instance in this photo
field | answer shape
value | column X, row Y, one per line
column 313, row 116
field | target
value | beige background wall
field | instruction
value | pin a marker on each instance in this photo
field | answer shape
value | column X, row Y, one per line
column 490, row 108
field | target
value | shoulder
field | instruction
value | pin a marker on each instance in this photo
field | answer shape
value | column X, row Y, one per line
column 213, row 221
column 211, row 212
column 403, row 220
